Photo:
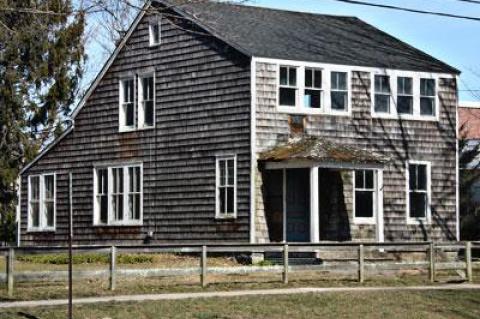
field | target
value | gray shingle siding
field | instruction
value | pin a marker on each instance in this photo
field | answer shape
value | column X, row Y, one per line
column 202, row 110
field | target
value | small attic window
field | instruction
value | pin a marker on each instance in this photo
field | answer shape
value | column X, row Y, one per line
column 155, row 31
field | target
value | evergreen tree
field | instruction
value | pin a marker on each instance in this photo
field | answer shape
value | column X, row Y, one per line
column 41, row 62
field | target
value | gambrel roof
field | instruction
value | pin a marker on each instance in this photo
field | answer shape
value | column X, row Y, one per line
column 288, row 35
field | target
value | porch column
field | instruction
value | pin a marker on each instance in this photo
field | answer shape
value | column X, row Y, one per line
column 314, row 206
column 380, row 224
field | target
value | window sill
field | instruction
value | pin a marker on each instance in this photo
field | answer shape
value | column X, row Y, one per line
column 405, row 117
column 364, row 221
column 154, row 45
column 225, row 217
column 130, row 130
column 140, row 224
column 306, row 111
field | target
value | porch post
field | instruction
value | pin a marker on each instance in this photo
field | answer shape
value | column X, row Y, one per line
column 380, row 223
column 284, row 205
column 314, row 206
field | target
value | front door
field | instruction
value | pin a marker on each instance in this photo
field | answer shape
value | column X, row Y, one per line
column 298, row 205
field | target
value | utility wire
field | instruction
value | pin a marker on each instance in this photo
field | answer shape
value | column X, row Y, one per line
column 470, row 1
column 385, row 6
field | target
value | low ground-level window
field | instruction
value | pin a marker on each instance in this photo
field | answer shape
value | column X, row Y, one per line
column 226, row 189
column 418, row 190
column 41, row 202
column 118, row 195
column 365, row 195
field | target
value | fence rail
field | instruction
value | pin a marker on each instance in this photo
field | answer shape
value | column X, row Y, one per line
column 361, row 264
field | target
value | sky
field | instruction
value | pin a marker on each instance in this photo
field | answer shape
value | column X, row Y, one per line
column 454, row 41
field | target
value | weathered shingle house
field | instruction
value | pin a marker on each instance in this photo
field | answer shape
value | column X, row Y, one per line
column 221, row 122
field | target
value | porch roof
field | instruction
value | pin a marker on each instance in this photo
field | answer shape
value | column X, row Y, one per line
column 321, row 150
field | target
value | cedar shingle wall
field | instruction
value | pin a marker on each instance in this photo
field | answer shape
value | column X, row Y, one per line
column 202, row 110
column 400, row 140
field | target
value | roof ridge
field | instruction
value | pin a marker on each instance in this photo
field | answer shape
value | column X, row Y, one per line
column 244, row 5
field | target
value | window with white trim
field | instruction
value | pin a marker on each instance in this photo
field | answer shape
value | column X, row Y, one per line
column 226, row 187
column 418, row 177
column 313, row 97
column 127, row 104
column 339, row 91
column 288, row 92
column 404, row 95
column 155, row 31
column 118, row 198
column 428, row 97
column 42, row 202
column 382, row 94
column 146, row 101
column 365, row 195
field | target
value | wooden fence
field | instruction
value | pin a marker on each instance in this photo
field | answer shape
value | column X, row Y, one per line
column 359, row 265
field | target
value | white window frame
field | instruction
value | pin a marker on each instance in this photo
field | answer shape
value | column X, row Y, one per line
column 126, row 218
column 365, row 220
column 42, row 218
column 218, row 214
column 428, row 219
column 288, row 86
column 157, row 20
column 416, row 76
column 313, row 88
column 141, row 106
column 348, row 91
column 326, row 108
column 121, row 110
column 375, row 93
column 434, row 97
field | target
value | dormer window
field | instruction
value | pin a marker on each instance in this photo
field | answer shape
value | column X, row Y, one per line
column 155, row 31
column 405, row 95
column 288, row 86
column 427, row 97
column 339, row 91
column 313, row 88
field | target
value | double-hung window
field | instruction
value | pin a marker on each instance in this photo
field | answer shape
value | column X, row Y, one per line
column 427, row 97
column 382, row 94
column 365, row 196
column 146, row 99
column 226, row 187
column 42, row 202
column 118, row 195
column 405, row 95
column 313, row 97
column 127, row 104
column 339, row 91
column 288, row 94
column 418, row 178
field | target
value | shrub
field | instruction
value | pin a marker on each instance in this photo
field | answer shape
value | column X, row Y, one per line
column 62, row 259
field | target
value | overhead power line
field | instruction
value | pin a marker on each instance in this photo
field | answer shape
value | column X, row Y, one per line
column 386, row 6
column 470, row 1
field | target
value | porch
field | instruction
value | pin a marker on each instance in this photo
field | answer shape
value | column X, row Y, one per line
column 314, row 190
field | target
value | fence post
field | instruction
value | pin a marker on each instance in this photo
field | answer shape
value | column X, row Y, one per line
column 203, row 265
column 113, row 266
column 10, row 271
column 361, row 263
column 431, row 271
column 285, row 264
column 468, row 260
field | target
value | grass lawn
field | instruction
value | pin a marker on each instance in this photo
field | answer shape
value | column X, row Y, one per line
column 393, row 305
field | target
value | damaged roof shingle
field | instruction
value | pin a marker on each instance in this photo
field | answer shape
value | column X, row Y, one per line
column 321, row 150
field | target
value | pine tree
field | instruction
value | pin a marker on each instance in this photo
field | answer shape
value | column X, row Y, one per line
column 41, row 62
